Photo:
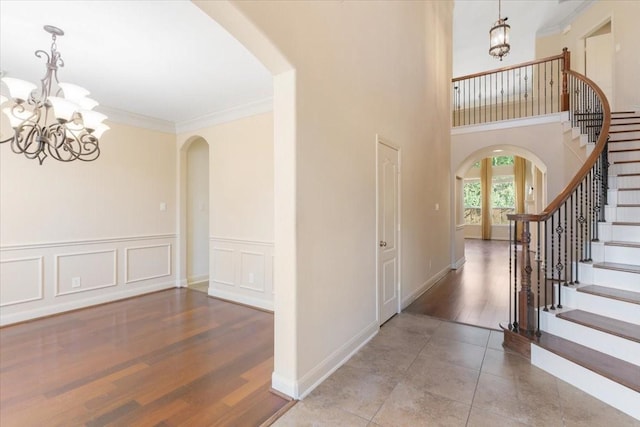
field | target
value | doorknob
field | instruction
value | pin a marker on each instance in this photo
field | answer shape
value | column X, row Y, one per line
column 383, row 244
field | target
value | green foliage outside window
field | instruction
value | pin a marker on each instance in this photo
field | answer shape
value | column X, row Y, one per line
column 502, row 161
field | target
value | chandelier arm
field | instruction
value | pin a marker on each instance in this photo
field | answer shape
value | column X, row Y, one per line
column 38, row 134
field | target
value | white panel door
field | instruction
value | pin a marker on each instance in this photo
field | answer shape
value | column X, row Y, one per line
column 599, row 63
column 388, row 231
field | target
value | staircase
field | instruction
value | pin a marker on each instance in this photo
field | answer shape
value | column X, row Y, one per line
column 592, row 339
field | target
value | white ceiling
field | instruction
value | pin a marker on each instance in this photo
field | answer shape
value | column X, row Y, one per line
column 162, row 59
column 472, row 20
column 168, row 60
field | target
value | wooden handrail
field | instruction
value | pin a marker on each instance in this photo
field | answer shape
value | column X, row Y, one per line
column 512, row 67
column 586, row 167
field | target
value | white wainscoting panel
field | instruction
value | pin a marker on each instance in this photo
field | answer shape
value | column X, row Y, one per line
column 89, row 270
column 21, row 280
column 147, row 262
column 242, row 271
column 252, row 271
column 45, row 278
column 223, row 270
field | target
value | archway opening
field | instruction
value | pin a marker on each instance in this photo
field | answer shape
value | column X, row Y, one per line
column 197, row 211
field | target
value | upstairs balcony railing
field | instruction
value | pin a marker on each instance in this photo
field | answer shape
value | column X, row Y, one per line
column 523, row 90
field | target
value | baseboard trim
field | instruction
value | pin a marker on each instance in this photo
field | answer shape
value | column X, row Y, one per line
column 242, row 299
column 195, row 280
column 330, row 364
column 23, row 316
column 284, row 386
column 424, row 287
column 459, row 263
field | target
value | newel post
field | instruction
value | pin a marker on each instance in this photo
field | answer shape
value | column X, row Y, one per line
column 566, row 66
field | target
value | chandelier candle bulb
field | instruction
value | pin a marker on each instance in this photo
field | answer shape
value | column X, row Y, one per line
column 63, row 108
column 92, row 119
column 58, row 121
column 20, row 90
column 73, row 92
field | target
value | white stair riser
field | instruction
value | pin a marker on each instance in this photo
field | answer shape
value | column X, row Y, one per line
column 589, row 147
column 620, row 254
column 624, row 145
column 624, row 135
column 625, row 182
column 627, row 214
column 630, row 197
column 617, row 279
column 615, row 121
column 610, row 278
column 610, row 392
column 612, row 345
column 623, row 233
column 617, row 156
column 615, row 309
column 620, row 168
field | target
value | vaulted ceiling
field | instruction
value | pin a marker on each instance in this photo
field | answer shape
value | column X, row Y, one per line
column 168, row 60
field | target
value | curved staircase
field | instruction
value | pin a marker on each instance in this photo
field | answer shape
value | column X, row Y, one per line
column 593, row 340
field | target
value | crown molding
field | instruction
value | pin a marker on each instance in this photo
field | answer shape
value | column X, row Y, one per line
column 560, row 26
column 228, row 115
column 137, row 120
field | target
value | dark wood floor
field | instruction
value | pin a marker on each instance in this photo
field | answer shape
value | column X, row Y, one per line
column 176, row 357
column 476, row 294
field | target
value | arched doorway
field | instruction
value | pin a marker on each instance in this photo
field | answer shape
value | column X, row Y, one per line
column 535, row 197
column 197, row 211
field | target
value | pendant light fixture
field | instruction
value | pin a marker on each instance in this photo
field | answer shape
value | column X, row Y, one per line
column 499, row 36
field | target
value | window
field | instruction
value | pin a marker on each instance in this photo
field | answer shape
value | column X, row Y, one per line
column 472, row 202
column 503, row 199
column 502, row 161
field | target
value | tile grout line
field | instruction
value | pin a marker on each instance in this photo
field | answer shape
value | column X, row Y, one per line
column 406, row 371
column 478, row 382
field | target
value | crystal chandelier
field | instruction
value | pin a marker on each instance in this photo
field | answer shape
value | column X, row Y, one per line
column 58, row 121
column 499, row 36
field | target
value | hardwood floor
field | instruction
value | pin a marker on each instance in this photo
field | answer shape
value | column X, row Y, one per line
column 176, row 357
column 476, row 294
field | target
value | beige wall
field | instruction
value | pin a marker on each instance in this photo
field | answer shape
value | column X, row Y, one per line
column 99, row 223
column 624, row 16
column 241, row 220
column 373, row 73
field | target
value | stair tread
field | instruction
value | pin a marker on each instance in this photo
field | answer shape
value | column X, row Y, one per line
column 630, row 268
column 624, row 131
column 637, row 224
column 617, row 370
column 624, row 150
column 612, row 293
column 621, row 243
column 628, row 174
column 628, row 205
column 602, row 323
column 623, row 112
column 629, row 189
column 626, row 161
column 625, row 124
column 624, row 140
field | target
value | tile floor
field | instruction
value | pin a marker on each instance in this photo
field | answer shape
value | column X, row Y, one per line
column 420, row 371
